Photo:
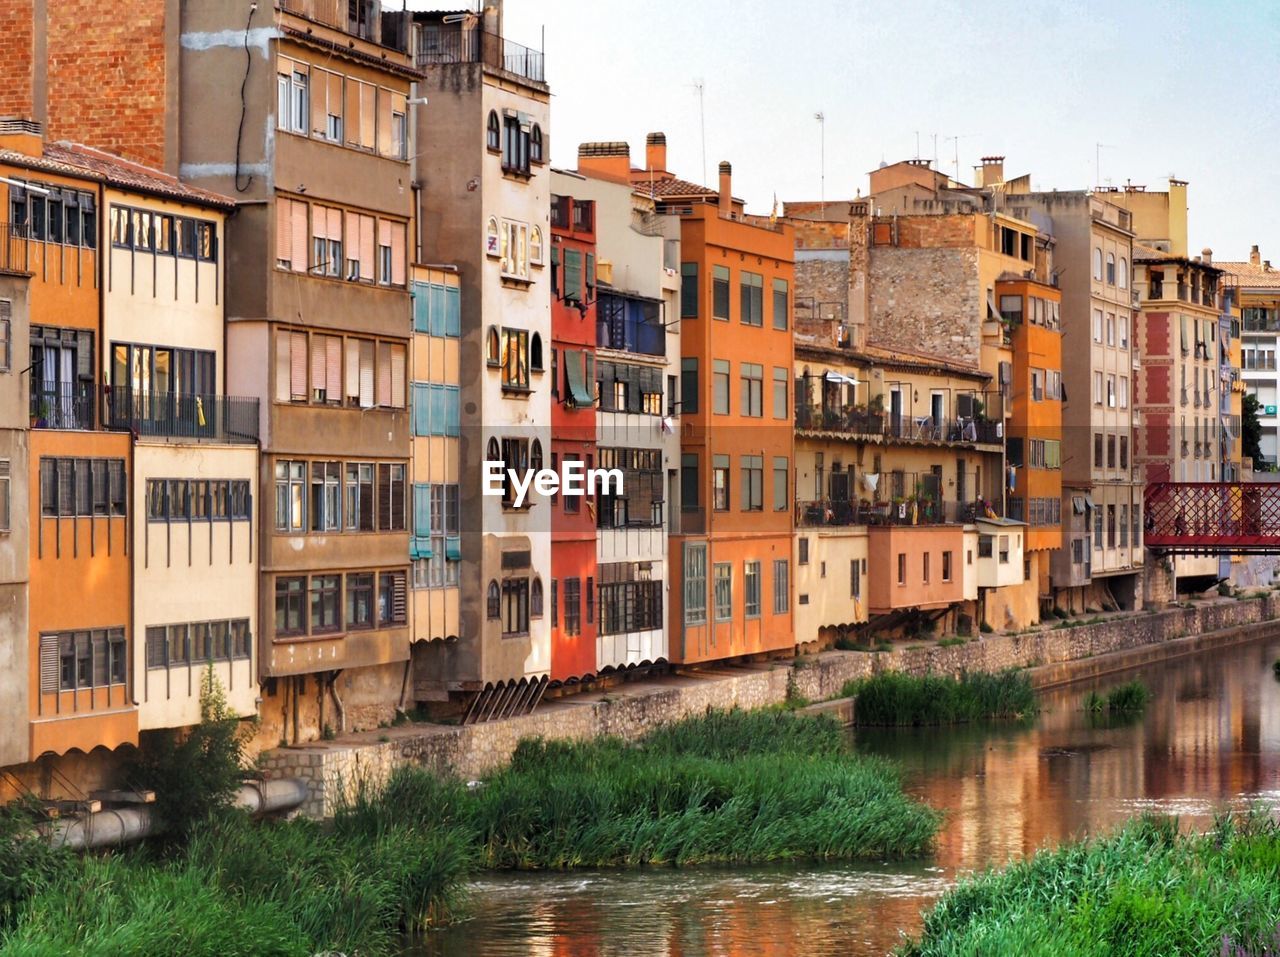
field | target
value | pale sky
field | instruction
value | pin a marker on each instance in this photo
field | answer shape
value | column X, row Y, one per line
column 1189, row 89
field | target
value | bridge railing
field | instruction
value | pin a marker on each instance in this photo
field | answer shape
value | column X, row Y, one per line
column 1212, row 516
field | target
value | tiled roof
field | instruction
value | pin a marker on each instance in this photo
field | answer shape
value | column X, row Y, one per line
column 72, row 159
column 667, row 188
column 900, row 357
column 1252, row 275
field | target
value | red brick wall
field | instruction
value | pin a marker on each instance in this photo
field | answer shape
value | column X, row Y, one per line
column 107, row 76
column 16, row 39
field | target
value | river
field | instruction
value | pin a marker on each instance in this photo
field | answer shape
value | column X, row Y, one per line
column 1210, row 738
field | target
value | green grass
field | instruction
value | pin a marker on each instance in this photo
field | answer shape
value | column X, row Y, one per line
column 895, row 699
column 1147, row 890
column 1128, row 698
column 952, row 642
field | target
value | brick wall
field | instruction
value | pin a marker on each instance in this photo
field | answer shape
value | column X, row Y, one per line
column 106, row 68
column 927, row 301
column 17, row 36
column 333, row 771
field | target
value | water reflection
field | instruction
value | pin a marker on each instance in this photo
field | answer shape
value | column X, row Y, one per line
column 1210, row 737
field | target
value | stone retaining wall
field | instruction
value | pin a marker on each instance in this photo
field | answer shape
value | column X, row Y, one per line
column 333, row 770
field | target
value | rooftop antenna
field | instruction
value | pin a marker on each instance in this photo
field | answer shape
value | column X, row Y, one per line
column 1097, row 161
column 822, row 163
column 699, row 87
column 917, row 145
column 956, row 140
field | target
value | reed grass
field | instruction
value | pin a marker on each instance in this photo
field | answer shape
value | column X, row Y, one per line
column 894, row 699
column 1128, row 698
column 1147, row 890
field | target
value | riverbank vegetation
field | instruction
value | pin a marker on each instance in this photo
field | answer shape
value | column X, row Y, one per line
column 893, row 699
column 1148, row 889
column 733, row 786
column 1128, row 698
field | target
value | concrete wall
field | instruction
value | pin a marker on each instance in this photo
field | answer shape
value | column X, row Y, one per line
column 334, row 771
column 14, row 542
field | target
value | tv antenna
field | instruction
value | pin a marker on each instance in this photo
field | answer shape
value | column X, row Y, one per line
column 956, row 140
column 822, row 163
column 1097, row 162
column 700, row 87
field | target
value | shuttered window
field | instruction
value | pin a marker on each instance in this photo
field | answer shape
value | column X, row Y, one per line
column 291, row 235
column 397, row 376
column 366, row 374
column 6, row 335
column 298, row 366
column 393, row 604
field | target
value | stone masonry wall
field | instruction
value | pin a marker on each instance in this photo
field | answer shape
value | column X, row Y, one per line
column 927, row 301
column 334, row 770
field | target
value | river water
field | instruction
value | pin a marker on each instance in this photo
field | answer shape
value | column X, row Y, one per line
column 1210, row 738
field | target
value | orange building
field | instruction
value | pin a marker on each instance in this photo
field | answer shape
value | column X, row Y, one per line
column 731, row 551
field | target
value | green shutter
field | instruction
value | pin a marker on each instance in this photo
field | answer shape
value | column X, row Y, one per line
column 421, row 306
column 572, row 275
column 453, row 311
column 420, row 544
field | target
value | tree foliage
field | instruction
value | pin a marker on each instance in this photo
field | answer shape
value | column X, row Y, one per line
column 1251, row 429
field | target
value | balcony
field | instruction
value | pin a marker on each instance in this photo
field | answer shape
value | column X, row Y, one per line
column 962, row 430
column 14, row 248
column 205, row 418
column 836, row 513
column 361, row 18
column 441, row 44
column 64, row 406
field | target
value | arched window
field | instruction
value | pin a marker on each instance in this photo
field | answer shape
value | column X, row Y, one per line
column 535, row 352
column 1124, row 273
column 535, row 144
column 1097, row 263
column 493, row 601
column 535, row 455
column 535, row 599
column 492, row 452
column 535, row 246
column 494, row 135
column 1111, row 269
column 492, row 354
column 492, row 247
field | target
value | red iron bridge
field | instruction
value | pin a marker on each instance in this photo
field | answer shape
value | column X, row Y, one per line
column 1212, row 517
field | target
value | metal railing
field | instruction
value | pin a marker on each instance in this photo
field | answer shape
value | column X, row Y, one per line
column 962, row 430
column 210, row 418
column 64, row 405
column 828, row 513
column 15, row 251
column 447, row 43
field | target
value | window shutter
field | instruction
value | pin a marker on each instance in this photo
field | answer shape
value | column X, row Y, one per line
column 319, row 118
column 397, row 376
column 6, row 333
column 319, row 222
column 421, row 408
column 298, row 245
column 422, row 517
column 333, row 370
column 284, row 230
column 453, row 419
column 352, row 250
column 398, row 491
column 436, row 413
column 397, row 254
column 384, row 374
column 453, row 311
column 353, row 369
column 48, row 664
column 366, row 374
column 84, row 354
column 318, row 353
column 384, row 497
column 335, row 224
column 367, row 258
column 298, row 365
column 399, row 598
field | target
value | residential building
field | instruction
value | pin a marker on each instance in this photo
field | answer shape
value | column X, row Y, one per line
column 733, row 552
column 637, row 414
column 484, row 206
column 1255, row 288
column 576, row 304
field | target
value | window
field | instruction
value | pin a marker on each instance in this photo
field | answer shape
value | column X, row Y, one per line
column 6, row 335
column 688, row 385
column 925, row 568
column 360, row 606
column 326, row 600
column 515, row 146
column 1124, row 451
column 752, row 471
column 802, row 551
column 1111, row 451
column 690, row 482
column 291, row 503
column 83, row 659
column 1097, row 325
column 1097, row 263
column 6, row 503
column 359, row 489
column 781, row 586
column 720, row 483
column 326, row 496
column 493, row 133
column 781, row 304
column 391, row 497
column 1097, row 450
column 1097, row 388
column 515, row 359
column 720, row 386
column 291, row 606
column 1037, row 384
column 536, row 251
column 1123, row 275
column 1124, row 526
column 514, row 253
column 902, row 568
column 1003, row 544
column 493, row 600
column 629, row 600
column 986, row 546
column 1111, row 269
column 751, row 589
column 781, row 472
column 752, row 389
column 515, row 457
column 1124, row 392
column 720, row 292
column 688, row 290
column 572, row 606
column 82, row 487
column 515, row 606
column 1111, row 390
column 535, row 144
column 292, row 103
column 391, row 253
column 326, row 241
column 393, row 600
column 779, row 393
column 1011, row 309
column 695, row 584
column 751, row 305
column 723, row 576
column 1111, row 526
column 946, row 566
column 1111, row 328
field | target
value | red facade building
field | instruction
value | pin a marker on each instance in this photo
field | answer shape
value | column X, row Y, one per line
column 573, row 436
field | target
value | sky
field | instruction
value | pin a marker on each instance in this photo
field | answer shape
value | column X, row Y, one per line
column 1184, row 89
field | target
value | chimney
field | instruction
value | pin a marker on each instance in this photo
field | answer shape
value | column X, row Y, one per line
column 1255, row 257
column 22, row 136
column 992, row 170
column 726, row 189
column 491, row 17
column 610, row 160
column 1266, row 265
column 1206, row 256
column 655, row 151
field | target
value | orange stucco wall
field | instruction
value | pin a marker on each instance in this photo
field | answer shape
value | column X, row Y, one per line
column 887, row 542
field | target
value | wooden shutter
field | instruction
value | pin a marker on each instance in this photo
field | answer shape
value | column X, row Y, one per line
column 318, row 88
column 384, row 122
column 384, row 374
column 84, row 354
column 284, row 230
column 397, row 376
column 397, row 502
column 333, row 368
column 368, row 115
column 334, row 104
column 367, row 258
column 283, row 339
column 384, row 239
column 399, row 598
column 384, row 497
column 366, row 374
column 298, row 226
column 397, row 254
column 335, row 224
column 352, row 249
column 353, row 372
column 352, row 120
column 48, row 664
column 319, row 222
column 298, row 365
column 6, row 333
column 318, row 353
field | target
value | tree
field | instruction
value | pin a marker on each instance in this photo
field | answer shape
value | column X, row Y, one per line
column 1251, row 429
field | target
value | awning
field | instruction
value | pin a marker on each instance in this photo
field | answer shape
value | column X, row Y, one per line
column 419, row 547
column 840, row 377
column 1088, row 501
column 579, row 394
column 1077, row 504
column 453, row 548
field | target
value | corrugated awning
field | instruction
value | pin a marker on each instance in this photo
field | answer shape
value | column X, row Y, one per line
column 579, row 394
